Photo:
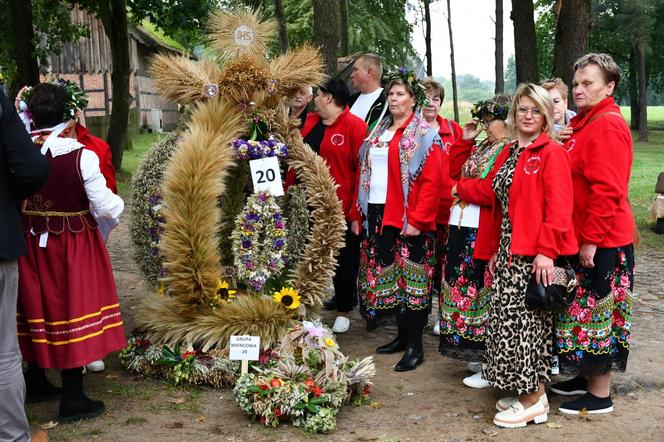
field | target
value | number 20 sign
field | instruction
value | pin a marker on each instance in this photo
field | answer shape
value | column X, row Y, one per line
column 266, row 175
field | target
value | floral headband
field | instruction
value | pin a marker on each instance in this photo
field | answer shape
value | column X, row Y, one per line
column 484, row 108
column 409, row 78
column 78, row 99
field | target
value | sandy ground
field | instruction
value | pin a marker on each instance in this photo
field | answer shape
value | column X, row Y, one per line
column 429, row 403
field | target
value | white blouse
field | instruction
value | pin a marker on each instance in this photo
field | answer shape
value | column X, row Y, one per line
column 378, row 160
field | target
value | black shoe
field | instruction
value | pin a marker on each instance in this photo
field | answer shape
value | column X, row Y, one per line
column 398, row 344
column 330, row 304
column 74, row 407
column 571, row 387
column 39, row 388
column 589, row 402
column 413, row 357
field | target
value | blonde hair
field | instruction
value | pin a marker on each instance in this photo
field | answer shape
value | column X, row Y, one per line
column 435, row 87
column 543, row 102
column 556, row 83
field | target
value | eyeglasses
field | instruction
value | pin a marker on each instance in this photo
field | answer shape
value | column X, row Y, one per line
column 523, row 111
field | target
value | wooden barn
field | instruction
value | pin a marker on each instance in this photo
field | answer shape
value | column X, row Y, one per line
column 88, row 62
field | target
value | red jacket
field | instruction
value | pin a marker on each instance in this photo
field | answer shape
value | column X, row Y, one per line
column 476, row 191
column 103, row 151
column 340, row 149
column 446, row 183
column 423, row 194
column 541, row 201
column 601, row 153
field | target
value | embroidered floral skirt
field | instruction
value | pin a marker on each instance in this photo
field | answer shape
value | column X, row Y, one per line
column 593, row 335
column 465, row 296
column 396, row 273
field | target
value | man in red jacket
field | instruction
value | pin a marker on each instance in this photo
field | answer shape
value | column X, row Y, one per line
column 336, row 135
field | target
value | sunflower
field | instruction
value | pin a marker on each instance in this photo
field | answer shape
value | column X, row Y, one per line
column 287, row 297
column 223, row 291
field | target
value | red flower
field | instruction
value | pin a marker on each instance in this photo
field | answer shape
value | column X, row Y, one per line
column 309, row 383
column 366, row 390
column 464, row 304
column 585, row 316
column 455, row 316
column 576, row 330
column 574, row 309
column 264, row 387
column 317, row 391
column 276, row 382
column 277, row 411
column 617, row 319
column 186, row 354
column 471, row 292
column 620, row 294
column 590, row 302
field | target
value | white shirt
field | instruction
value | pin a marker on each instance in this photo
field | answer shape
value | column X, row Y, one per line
column 378, row 160
column 363, row 103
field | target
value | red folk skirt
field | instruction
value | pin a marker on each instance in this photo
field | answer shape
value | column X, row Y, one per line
column 68, row 310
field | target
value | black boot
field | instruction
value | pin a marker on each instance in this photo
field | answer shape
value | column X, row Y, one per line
column 38, row 387
column 397, row 345
column 75, row 405
column 414, row 354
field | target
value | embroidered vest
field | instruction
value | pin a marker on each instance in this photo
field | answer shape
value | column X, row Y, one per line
column 61, row 203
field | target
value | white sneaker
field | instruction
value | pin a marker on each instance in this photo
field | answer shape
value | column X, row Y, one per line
column 436, row 329
column 94, row 367
column 475, row 367
column 341, row 324
column 506, row 402
column 476, row 381
column 516, row 416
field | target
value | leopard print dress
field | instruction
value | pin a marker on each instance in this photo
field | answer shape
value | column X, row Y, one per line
column 519, row 339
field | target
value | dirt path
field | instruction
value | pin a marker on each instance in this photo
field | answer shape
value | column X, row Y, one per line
column 428, row 404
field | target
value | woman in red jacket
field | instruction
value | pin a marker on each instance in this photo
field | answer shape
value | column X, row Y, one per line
column 464, row 299
column 533, row 210
column 398, row 197
column 593, row 335
column 336, row 135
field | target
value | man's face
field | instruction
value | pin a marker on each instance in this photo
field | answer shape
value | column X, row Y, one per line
column 301, row 98
column 361, row 74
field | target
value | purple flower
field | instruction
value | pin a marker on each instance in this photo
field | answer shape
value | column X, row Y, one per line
column 246, row 244
column 280, row 224
column 250, row 265
column 278, row 243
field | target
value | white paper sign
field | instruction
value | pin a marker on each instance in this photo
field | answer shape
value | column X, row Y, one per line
column 266, row 175
column 469, row 216
column 244, row 348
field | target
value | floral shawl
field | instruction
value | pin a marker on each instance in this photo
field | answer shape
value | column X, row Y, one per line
column 482, row 158
column 415, row 144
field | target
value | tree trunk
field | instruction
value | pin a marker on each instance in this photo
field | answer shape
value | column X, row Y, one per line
column 643, row 90
column 113, row 14
column 634, row 89
column 572, row 31
column 525, row 43
column 427, row 36
column 454, row 84
column 343, row 27
column 281, row 22
column 500, row 76
column 326, row 32
column 23, row 46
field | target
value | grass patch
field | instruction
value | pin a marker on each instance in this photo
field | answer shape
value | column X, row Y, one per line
column 648, row 163
column 136, row 420
column 141, row 143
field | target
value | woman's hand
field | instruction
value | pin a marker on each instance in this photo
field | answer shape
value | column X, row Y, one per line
column 17, row 100
column 471, row 130
column 587, row 255
column 565, row 133
column 410, row 231
column 492, row 264
column 543, row 269
column 355, row 227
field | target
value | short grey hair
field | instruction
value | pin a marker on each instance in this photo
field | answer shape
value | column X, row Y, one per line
column 610, row 69
column 374, row 61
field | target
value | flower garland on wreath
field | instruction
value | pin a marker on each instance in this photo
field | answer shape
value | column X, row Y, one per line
column 259, row 240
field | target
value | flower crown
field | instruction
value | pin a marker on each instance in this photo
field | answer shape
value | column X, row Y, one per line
column 409, row 78
column 490, row 107
column 77, row 98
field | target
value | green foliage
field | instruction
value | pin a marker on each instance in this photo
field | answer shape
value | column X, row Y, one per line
column 545, row 29
column 53, row 27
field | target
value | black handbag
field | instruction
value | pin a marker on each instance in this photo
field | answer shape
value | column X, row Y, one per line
column 556, row 296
